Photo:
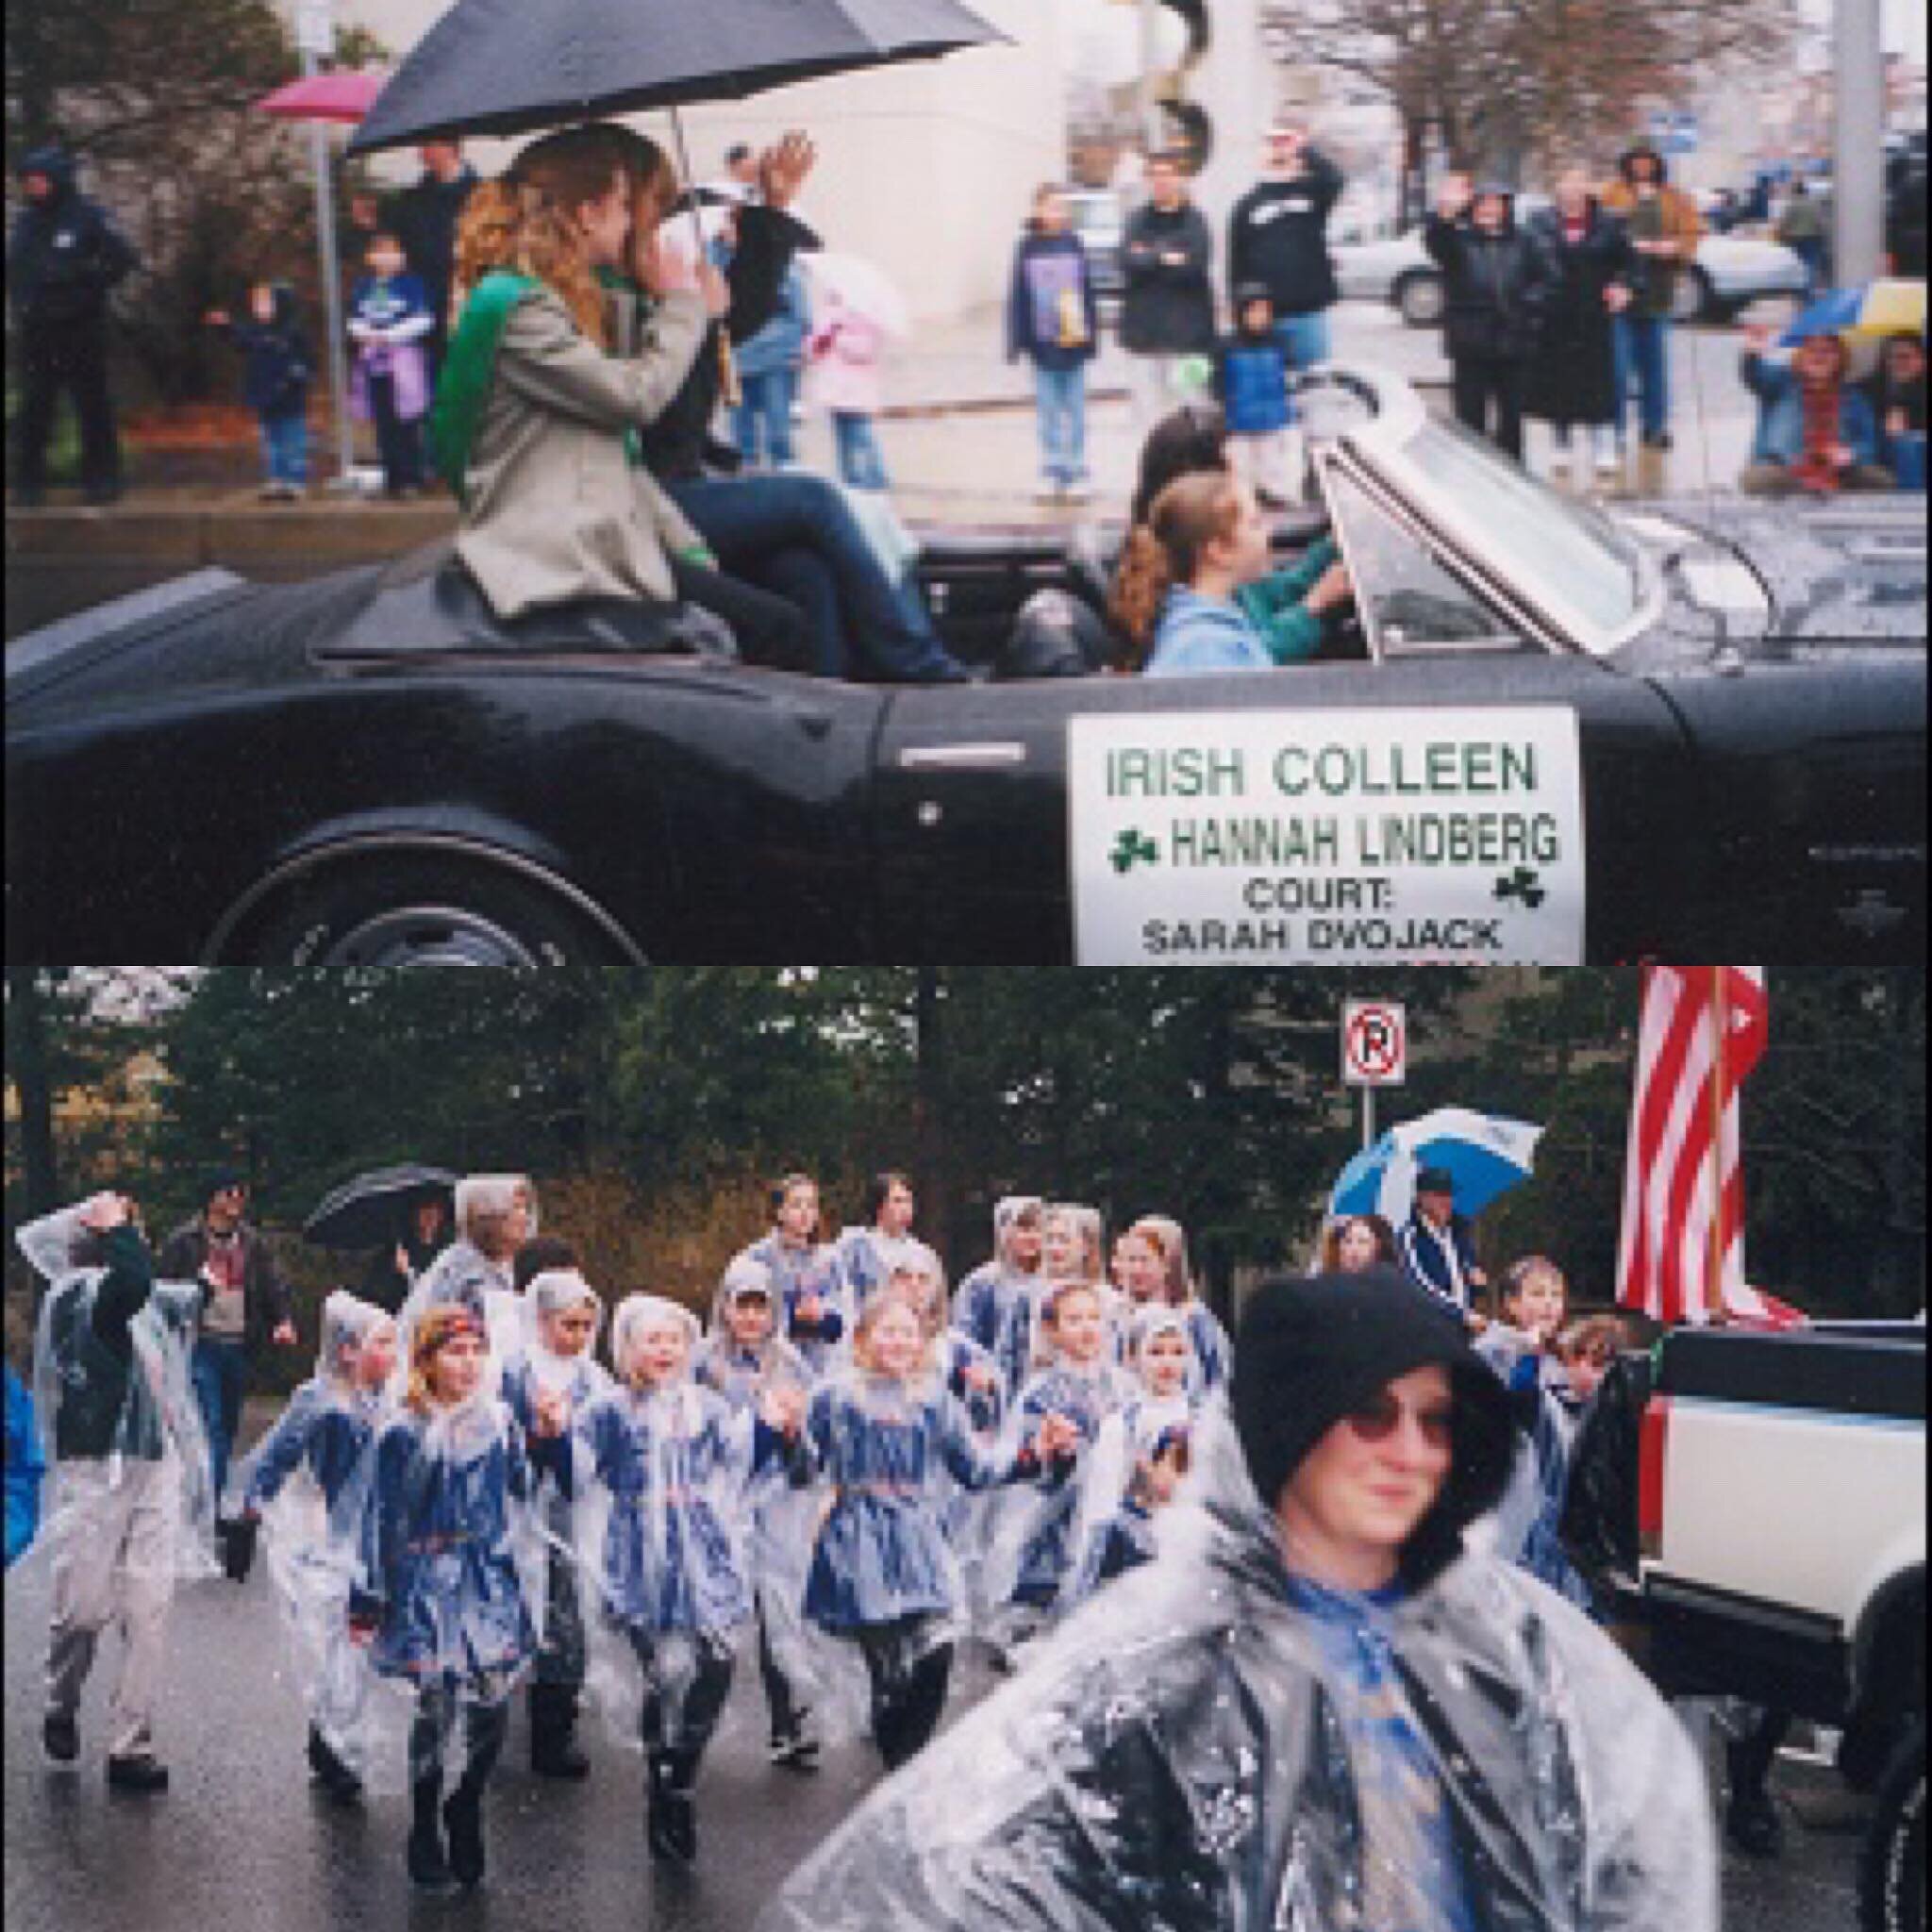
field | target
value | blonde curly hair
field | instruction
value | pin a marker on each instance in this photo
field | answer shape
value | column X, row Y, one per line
column 526, row 221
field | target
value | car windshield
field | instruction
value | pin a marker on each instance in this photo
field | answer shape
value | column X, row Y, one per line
column 1565, row 555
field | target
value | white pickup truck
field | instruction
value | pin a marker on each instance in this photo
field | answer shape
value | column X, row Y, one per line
column 1780, row 1520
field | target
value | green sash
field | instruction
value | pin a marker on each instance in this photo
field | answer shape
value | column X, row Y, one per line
column 468, row 368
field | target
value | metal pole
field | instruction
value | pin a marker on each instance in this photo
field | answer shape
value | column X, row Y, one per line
column 727, row 363
column 1368, row 1117
column 331, row 289
column 1150, row 79
column 1857, row 143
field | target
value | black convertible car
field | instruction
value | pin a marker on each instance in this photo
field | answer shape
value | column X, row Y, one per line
column 1550, row 734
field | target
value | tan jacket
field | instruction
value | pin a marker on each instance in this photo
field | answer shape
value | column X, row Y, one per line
column 556, row 511
column 1682, row 223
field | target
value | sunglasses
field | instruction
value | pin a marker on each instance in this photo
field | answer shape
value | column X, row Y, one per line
column 1378, row 1419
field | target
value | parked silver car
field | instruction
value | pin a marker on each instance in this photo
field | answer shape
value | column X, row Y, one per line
column 1730, row 271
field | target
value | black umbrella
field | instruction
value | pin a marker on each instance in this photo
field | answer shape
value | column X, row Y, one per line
column 509, row 66
column 369, row 1211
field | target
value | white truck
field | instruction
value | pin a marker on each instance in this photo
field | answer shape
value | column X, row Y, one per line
column 1780, row 1553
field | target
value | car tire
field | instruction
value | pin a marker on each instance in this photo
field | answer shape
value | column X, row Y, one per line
column 416, row 910
column 1891, row 1868
column 1420, row 299
column 1694, row 299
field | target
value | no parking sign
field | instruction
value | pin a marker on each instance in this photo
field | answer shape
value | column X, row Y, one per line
column 1375, row 1042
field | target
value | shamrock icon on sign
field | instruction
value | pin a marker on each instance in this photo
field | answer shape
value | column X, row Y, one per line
column 1133, row 848
column 1522, row 884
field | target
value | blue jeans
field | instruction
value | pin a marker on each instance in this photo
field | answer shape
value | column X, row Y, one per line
column 1304, row 339
column 219, row 1371
column 1060, row 396
column 765, row 407
column 793, row 535
column 1906, row 456
column 1643, row 352
column 860, row 464
column 284, row 448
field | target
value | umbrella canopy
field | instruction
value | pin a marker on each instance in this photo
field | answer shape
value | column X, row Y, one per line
column 1886, row 308
column 1486, row 1156
column 507, row 67
column 857, row 285
column 367, row 1211
column 346, row 96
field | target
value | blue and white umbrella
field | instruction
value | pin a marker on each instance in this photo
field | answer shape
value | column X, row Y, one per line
column 1486, row 1156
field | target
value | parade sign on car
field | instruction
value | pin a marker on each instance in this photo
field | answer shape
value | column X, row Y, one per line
column 1327, row 838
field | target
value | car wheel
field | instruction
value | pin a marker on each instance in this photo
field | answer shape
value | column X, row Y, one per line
column 1891, row 1869
column 416, row 912
column 1420, row 300
column 1694, row 297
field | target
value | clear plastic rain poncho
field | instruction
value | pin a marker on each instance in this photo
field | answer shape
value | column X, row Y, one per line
column 663, row 1479
column 464, row 1274
column 1208, row 1747
column 801, row 1276
column 535, row 1371
column 548, row 1389
column 1523, row 1526
column 302, row 1480
column 888, row 1455
column 984, row 1304
column 113, row 1392
column 1074, row 1249
column 1032, row 1546
column 1213, row 1352
column 867, row 1257
column 451, row 1553
column 1139, row 1448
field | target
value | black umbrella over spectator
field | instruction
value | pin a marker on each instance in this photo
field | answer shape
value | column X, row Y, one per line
column 370, row 1209
column 508, row 67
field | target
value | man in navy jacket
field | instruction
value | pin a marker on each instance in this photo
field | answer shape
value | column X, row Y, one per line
column 1435, row 1245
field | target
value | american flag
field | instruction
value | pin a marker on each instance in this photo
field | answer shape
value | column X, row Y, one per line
column 1681, row 1254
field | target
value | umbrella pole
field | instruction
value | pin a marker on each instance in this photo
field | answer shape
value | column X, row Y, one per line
column 728, row 368
column 331, row 290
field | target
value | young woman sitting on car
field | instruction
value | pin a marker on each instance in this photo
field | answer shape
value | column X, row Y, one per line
column 535, row 424
column 1196, row 590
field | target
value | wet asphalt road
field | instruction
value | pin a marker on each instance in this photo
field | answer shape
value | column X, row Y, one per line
column 239, row 1843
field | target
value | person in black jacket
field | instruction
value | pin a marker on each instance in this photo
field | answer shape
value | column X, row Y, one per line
column 1498, row 283
column 1167, row 304
column 64, row 256
column 274, row 383
column 246, row 1302
column 1277, row 235
column 1571, row 377
column 424, row 220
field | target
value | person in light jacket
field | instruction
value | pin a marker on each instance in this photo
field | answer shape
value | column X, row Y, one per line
column 535, row 424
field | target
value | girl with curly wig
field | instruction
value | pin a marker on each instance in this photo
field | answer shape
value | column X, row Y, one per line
column 537, row 422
